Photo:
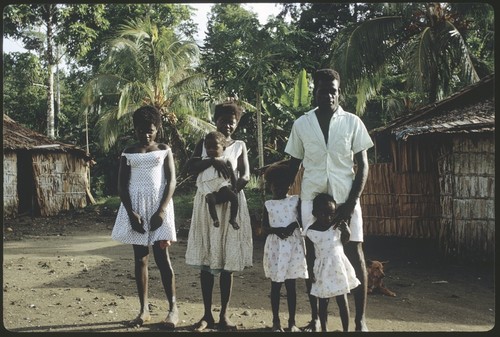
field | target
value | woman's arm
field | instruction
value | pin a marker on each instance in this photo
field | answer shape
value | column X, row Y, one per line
column 243, row 169
column 124, row 193
column 171, row 182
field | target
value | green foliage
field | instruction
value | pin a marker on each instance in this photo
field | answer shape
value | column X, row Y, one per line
column 24, row 98
column 424, row 42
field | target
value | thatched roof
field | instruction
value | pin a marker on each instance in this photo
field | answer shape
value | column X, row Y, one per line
column 470, row 110
column 18, row 137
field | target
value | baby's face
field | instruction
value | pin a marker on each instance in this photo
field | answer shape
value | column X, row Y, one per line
column 213, row 148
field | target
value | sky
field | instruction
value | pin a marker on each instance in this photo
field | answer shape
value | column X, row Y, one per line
column 263, row 10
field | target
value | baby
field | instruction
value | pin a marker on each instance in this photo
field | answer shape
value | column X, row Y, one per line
column 218, row 189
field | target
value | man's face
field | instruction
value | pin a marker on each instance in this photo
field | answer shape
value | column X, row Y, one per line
column 327, row 94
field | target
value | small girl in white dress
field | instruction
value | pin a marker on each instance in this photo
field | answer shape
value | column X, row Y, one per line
column 332, row 274
column 217, row 188
column 284, row 252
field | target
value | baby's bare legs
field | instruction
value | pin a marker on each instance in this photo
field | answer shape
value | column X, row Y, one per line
column 224, row 194
column 211, row 200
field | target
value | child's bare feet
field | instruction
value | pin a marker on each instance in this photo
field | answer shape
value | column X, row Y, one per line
column 216, row 223
column 234, row 224
column 313, row 326
column 294, row 328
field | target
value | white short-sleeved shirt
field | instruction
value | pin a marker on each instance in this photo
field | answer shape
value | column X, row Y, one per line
column 332, row 164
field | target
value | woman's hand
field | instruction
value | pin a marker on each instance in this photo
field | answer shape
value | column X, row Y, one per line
column 157, row 219
column 240, row 184
column 136, row 222
column 221, row 167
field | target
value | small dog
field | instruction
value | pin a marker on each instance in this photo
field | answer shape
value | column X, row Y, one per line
column 375, row 278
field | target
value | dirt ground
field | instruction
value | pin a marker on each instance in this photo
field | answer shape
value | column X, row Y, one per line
column 65, row 274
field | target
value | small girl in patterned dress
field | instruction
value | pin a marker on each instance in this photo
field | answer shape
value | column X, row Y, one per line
column 146, row 184
column 331, row 273
column 284, row 255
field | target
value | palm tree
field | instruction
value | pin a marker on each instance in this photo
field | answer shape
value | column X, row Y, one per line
column 149, row 65
column 424, row 43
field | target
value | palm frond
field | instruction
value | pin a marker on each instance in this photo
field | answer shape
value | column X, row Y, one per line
column 362, row 49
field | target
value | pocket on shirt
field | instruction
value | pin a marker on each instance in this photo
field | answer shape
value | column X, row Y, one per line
column 343, row 148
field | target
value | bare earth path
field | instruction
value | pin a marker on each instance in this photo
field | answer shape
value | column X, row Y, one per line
column 65, row 274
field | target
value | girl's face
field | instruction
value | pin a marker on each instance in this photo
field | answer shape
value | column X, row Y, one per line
column 226, row 124
column 213, row 148
column 326, row 213
column 146, row 135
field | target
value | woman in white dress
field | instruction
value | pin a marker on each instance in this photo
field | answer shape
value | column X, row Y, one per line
column 284, row 257
column 146, row 184
column 331, row 275
column 220, row 250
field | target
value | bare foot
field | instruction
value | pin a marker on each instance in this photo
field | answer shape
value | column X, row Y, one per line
column 277, row 327
column 139, row 320
column 172, row 318
column 234, row 224
column 226, row 324
column 313, row 326
column 204, row 323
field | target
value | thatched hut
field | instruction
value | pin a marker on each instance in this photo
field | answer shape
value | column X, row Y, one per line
column 435, row 175
column 41, row 176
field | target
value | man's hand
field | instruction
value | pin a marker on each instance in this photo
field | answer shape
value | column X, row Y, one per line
column 343, row 213
column 345, row 232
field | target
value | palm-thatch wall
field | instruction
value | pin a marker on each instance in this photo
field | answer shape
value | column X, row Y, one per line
column 41, row 176
column 437, row 179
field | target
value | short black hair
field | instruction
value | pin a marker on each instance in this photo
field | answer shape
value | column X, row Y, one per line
column 227, row 108
column 145, row 116
column 321, row 200
column 325, row 75
column 279, row 174
column 217, row 136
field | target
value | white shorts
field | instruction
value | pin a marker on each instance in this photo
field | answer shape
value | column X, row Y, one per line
column 356, row 224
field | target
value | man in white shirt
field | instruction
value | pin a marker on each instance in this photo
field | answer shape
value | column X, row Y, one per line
column 328, row 141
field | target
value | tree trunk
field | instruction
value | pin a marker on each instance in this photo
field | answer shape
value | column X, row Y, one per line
column 50, row 66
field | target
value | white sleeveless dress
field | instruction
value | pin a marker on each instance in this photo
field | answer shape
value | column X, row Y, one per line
column 284, row 259
column 146, row 186
column 333, row 272
column 220, row 248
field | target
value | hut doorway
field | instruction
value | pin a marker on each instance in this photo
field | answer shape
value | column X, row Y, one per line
column 26, row 184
